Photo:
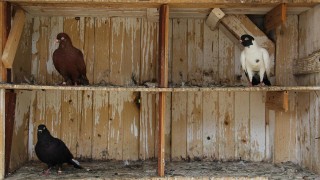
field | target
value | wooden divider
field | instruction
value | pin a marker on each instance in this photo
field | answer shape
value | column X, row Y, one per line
column 163, row 81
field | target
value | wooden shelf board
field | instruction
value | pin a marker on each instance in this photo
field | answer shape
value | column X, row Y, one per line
column 156, row 89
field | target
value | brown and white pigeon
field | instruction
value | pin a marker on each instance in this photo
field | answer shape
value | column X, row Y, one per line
column 69, row 62
column 53, row 151
column 255, row 61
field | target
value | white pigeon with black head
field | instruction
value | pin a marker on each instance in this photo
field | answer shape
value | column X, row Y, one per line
column 255, row 61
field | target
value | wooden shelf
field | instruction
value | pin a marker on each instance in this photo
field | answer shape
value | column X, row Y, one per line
column 156, row 89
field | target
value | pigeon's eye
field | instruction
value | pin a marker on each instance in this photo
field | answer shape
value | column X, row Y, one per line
column 62, row 38
column 246, row 39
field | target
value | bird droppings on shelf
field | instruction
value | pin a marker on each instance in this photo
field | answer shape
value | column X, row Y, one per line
column 148, row 169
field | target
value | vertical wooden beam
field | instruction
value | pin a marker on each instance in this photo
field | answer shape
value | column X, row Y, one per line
column 3, row 38
column 163, row 81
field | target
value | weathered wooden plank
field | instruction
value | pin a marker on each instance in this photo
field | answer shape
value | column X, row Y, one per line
column 147, row 126
column 287, row 51
column 179, row 51
column 210, row 124
column 179, row 100
column 148, row 68
column 315, row 118
column 194, row 77
column 53, row 112
column 100, row 135
column 131, row 73
column 275, row 17
column 210, row 56
column 242, row 125
column 149, row 51
column 226, row 126
column 286, row 141
column 194, row 126
column 226, row 63
column 117, row 52
column 101, row 121
column 12, row 43
column 195, row 51
column 116, row 99
column 257, row 126
column 303, row 116
column 85, row 108
column 2, row 131
column 179, row 126
column 19, row 152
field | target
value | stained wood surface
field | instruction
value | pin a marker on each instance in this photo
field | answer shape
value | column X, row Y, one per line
column 13, row 40
column 210, row 115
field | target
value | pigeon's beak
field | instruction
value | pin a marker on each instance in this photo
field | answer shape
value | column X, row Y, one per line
column 40, row 130
column 57, row 41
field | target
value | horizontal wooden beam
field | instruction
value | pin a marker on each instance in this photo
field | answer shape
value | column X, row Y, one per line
column 307, row 65
column 12, row 43
column 154, row 89
column 277, row 100
column 276, row 17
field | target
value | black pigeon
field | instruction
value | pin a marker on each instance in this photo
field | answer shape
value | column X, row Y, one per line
column 53, row 151
column 69, row 61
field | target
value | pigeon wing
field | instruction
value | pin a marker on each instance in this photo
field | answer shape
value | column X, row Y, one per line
column 243, row 61
column 266, row 60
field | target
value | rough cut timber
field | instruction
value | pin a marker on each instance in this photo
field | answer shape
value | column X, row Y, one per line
column 13, row 39
column 277, row 100
column 241, row 24
column 276, row 17
column 308, row 65
column 153, row 15
column 163, row 81
column 3, row 33
column 214, row 18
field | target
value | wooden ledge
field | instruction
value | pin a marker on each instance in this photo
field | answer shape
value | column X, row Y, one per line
column 156, row 89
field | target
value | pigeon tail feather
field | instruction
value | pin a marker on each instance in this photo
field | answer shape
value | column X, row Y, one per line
column 76, row 164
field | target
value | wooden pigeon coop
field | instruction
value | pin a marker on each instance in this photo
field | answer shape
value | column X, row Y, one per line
column 167, row 95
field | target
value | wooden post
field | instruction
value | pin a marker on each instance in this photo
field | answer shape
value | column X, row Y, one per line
column 3, row 38
column 163, row 81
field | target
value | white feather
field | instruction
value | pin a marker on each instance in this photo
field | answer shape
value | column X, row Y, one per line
column 249, row 57
column 75, row 161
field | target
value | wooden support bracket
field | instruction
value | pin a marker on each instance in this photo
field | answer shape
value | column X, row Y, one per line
column 277, row 100
column 276, row 17
column 214, row 18
column 12, row 43
column 308, row 65
column 163, row 81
